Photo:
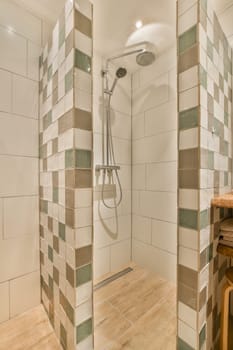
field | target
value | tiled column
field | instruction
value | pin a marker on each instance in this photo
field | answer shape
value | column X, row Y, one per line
column 204, row 83
column 66, row 176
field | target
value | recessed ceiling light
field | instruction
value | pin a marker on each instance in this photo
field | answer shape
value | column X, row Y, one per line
column 138, row 24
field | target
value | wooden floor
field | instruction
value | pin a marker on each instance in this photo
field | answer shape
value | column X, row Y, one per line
column 135, row 312
column 31, row 330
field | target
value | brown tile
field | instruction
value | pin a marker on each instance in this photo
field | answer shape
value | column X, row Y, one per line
column 41, row 231
column 188, row 59
column 79, row 178
column 55, row 178
column 70, row 217
column 230, row 94
column 41, row 191
column 209, row 307
column 83, row 256
column 55, row 96
column 188, row 178
column 69, row 197
column 188, row 277
column 82, row 119
column 45, row 66
column 70, row 178
column 69, row 43
column 41, row 258
column 65, row 122
column 55, row 80
column 55, row 145
column 83, row 24
column 70, row 275
column 216, row 93
column 210, row 104
column 45, row 166
column 50, row 224
column 188, row 159
column 187, row 296
column 56, row 275
column 56, row 244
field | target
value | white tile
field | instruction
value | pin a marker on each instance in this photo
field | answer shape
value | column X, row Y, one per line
column 154, row 259
column 188, row 79
column 164, row 236
column 24, row 253
column 184, row 5
column 26, row 218
column 83, row 80
column 83, row 139
column 139, row 177
column 24, row 293
column 187, row 334
column 25, row 97
column 117, row 120
column 19, row 176
column 4, row 302
column 1, row 218
column 83, row 198
column 141, row 229
column 18, row 135
column 101, row 262
column 188, row 258
column 83, row 43
column 83, row 217
column 83, row 237
column 161, row 177
column 122, row 250
column 86, row 344
column 188, row 238
column 159, row 205
column 188, row 199
column 11, row 44
column 5, row 91
column 138, row 126
column 154, row 119
column 188, row 99
column 188, row 138
column 85, row 7
column 34, row 52
column 187, row 315
column 83, row 312
column 83, row 100
column 20, row 21
column 187, row 19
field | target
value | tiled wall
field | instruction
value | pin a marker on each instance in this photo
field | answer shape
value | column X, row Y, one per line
column 112, row 228
column 154, row 168
column 205, row 163
column 66, row 176
column 20, row 38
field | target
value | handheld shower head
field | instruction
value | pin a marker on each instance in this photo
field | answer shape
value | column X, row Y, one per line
column 120, row 73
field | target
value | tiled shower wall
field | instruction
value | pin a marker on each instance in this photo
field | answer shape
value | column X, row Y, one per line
column 205, row 163
column 154, row 169
column 20, row 37
column 66, row 176
column 112, row 228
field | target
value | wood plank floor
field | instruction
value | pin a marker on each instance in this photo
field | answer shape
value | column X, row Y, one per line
column 135, row 312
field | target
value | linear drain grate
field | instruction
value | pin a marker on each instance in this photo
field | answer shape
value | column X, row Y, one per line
column 112, row 278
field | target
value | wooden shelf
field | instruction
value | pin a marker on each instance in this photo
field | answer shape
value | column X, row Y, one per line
column 224, row 250
column 223, row 201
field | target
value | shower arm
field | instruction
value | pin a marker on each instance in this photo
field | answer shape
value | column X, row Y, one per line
column 122, row 55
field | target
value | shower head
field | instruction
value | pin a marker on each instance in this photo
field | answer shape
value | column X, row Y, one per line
column 121, row 73
column 145, row 58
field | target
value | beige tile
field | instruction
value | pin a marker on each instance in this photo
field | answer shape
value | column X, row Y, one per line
column 26, row 219
column 25, row 97
column 18, row 135
column 10, row 44
column 5, row 91
column 34, row 52
column 19, row 176
column 24, row 293
column 122, row 249
column 4, row 302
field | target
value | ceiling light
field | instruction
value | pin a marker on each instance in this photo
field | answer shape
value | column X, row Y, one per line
column 138, row 24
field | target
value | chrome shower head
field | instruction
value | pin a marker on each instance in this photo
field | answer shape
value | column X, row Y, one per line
column 145, row 58
column 121, row 72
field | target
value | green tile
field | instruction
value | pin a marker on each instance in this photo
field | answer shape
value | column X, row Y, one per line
column 82, row 61
column 210, row 252
column 83, row 275
column 187, row 39
column 50, row 253
column 61, row 37
column 210, row 160
column 62, row 231
column 204, row 218
column 47, row 120
column 44, row 206
column 83, row 330
column 225, row 178
column 210, row 50
column 50, row 72
column 70, row 158
column 204, row 5
column 202, row 336
column 203, row 77
column 188, row 119
column 69, row 81
column 55, row 195
column 188, row 218
column 181, row 345
column 83, row 159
